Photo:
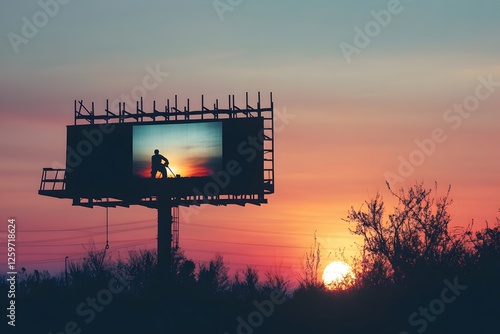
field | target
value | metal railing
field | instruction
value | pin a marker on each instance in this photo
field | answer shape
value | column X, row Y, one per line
column 53, row 179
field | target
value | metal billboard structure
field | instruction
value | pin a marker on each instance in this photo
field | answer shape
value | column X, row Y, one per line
column 100, row 143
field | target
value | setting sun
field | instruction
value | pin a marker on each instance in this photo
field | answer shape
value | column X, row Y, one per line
column 338, row 275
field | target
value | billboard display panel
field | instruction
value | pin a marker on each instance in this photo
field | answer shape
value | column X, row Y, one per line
column 205, row 157
column 191, row 149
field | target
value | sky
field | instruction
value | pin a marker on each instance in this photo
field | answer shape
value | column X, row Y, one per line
column 364, row 92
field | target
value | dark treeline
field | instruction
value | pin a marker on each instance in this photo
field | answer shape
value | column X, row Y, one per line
column 416, row 274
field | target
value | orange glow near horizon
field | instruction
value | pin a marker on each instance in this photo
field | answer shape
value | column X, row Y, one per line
column 274, row 236
column 193, row 169
column 327, row 160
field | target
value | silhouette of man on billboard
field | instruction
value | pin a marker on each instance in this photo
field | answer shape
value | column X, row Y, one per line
column 158, row 164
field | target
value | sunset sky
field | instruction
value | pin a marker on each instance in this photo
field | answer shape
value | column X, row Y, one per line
column 415, row 97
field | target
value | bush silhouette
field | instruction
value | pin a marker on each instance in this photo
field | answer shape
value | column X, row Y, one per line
column 411, row 242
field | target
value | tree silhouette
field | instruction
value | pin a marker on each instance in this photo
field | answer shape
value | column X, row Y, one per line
column 487, row 249
column 248, row 284
column 412, row 240
column 94, row 269
column 275, row 281
column 213, row 278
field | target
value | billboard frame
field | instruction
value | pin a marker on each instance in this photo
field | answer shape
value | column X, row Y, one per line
column 171, row 113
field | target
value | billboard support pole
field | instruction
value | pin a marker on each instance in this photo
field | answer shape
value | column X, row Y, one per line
column 165, row 239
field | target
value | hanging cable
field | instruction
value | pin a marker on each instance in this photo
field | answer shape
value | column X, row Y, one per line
column 107, row 228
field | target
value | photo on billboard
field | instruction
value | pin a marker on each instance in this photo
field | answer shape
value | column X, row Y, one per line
column 192, row 149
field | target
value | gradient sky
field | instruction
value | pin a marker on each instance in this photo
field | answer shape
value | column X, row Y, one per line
column 341, row 127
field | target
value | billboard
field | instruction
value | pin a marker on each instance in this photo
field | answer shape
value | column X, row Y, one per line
column 180, row 158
